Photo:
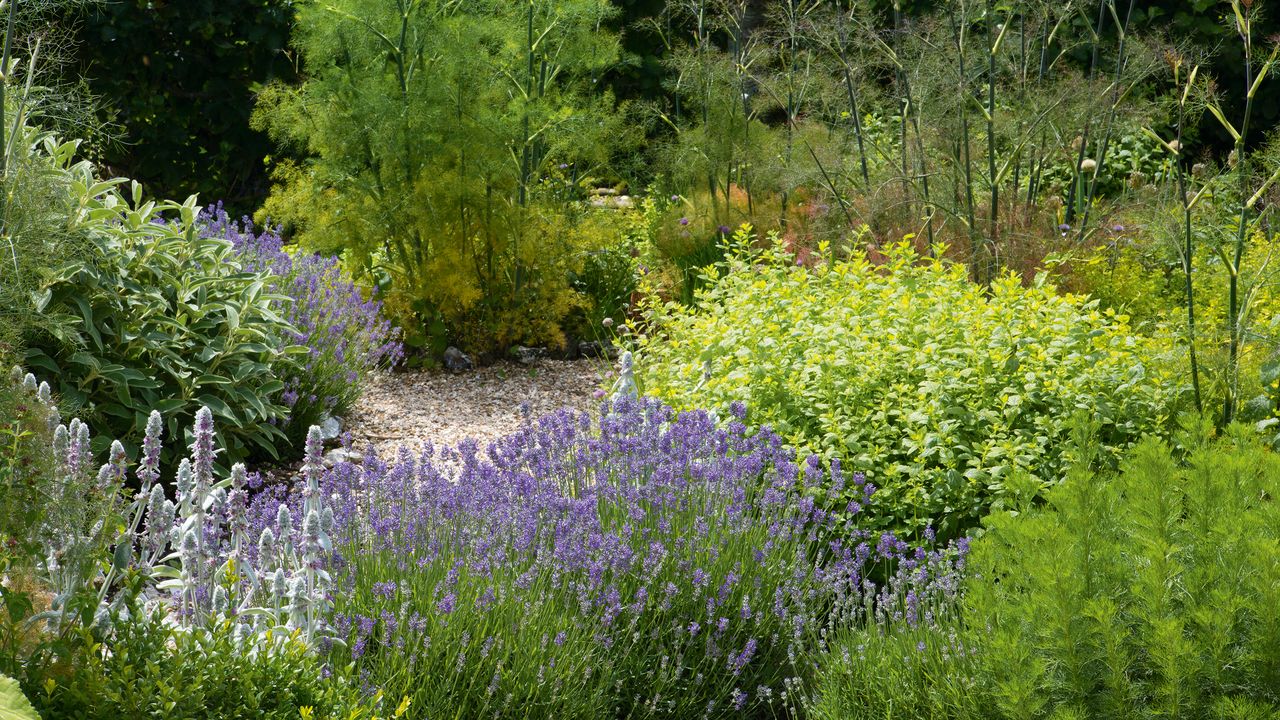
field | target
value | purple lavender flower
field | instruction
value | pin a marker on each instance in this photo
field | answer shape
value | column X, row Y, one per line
column 343, row 330
column 702, row 533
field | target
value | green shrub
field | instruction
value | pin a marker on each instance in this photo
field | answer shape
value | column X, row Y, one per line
column 36, row 232
column 157, row 317
column 1151, row 592
column 148, row 669
column 936, row 388
column 446, row 175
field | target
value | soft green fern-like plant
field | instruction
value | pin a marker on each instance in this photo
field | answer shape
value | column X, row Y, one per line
column 1150, row 593
column 1147, row 593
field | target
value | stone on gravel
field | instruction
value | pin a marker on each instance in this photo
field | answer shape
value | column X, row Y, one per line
column 330, row 428
column 527, row 355
column 456, row 361
column 338, row 456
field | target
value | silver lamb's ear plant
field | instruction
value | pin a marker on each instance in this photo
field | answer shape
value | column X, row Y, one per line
column 625, row 387
column 180, row 548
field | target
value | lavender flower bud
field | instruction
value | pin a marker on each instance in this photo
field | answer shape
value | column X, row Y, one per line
column 327, row 522
column 184, row 482
column 155, row 507
column 219, row 498
column 60, row 442
column 106, row 474
column 189, row 553
column 202, row 449
column 311, row 529
column 238, row 476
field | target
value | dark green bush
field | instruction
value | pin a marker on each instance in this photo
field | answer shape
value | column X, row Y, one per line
column 178, row 81
column 1147, row 593
column 156, row 317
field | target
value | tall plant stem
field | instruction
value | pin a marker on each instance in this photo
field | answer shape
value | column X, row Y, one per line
column 525, row 159
column 1076, row 178
column 1242, row 224
column 993, row 47
column 1188, row 251
column 853, row 104
column 5, row 57
column 1116, row 98
column 706, row 95
column 910, row 117
column 903, row 102
column 957, row 32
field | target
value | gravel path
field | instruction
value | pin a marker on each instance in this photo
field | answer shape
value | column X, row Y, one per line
column 409, row 408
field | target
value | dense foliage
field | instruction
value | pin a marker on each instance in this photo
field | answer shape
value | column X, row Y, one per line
column 447, row 176
column 938, row 389
column 344, row 333
column 177, row 82
column 149, row 669
column 1147, row 593
column 157, row 317
column 27, row 422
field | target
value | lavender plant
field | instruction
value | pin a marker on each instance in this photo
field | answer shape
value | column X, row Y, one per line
column 343, row 330
column 655, row 565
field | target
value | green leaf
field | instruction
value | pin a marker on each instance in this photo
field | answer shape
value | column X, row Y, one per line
column 13, row 704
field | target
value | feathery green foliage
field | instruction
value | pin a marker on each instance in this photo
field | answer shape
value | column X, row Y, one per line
column 446, row 139
column 1140, row 594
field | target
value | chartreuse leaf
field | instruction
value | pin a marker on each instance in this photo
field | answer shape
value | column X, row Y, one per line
column 13, row 704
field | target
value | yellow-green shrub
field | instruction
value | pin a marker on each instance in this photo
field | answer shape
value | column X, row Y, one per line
column 934, row 387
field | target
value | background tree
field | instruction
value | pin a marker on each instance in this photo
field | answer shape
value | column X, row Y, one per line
column 444, row 141
column 178, row 78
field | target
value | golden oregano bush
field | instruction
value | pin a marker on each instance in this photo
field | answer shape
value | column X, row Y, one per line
column 936, row 388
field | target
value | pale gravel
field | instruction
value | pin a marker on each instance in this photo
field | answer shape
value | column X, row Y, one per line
column 411, row 408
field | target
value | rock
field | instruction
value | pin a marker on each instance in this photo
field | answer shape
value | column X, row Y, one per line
column 456, row 361
column 624, row 201
column 330, row 428
column 527, row 355
column 339, row 456
column 604, row 191
column 592, row 349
